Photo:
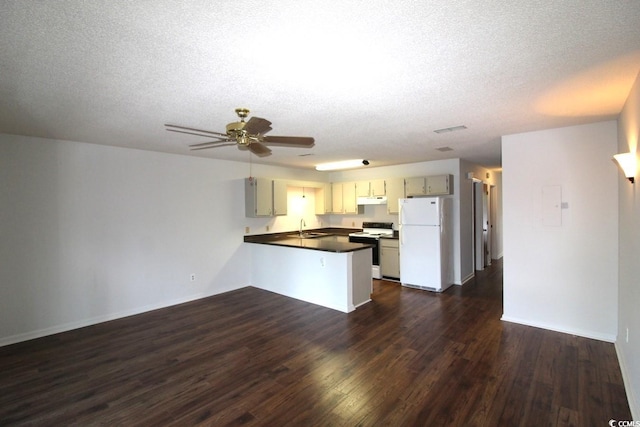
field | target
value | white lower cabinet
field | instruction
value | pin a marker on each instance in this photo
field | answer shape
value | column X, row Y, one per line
column 390, row 258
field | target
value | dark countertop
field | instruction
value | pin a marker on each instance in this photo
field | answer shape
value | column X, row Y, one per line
column 336, row 240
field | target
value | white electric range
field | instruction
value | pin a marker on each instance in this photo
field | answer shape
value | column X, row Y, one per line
column 371, row 233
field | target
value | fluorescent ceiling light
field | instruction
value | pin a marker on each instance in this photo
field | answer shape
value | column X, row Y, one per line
column 344, row 164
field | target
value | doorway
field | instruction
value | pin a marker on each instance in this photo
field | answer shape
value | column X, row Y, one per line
column 482, row 224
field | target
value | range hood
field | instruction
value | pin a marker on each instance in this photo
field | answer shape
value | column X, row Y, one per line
column 374, row 200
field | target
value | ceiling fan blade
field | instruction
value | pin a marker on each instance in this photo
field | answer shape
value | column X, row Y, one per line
column 225, row 138
column 208, row 132
column 259, row 150
column 209, row 145
column 202, row 144
column 256, row 125
column 293, row 141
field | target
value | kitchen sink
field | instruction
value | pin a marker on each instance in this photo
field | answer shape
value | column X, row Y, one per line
column 310, row 235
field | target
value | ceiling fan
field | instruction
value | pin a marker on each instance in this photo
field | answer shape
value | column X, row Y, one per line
column 246, row 135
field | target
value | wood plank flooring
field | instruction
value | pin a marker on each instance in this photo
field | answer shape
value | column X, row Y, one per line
column 250, row 357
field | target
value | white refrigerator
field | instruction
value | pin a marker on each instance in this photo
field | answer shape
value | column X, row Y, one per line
column 426, row 243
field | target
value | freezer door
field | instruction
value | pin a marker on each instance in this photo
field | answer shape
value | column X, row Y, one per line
column 420, row 211
column 420, row 263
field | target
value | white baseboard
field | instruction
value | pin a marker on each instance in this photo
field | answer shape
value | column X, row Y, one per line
column 39, row 333
column 634, row 405
column 581, row 333
column 469, row 277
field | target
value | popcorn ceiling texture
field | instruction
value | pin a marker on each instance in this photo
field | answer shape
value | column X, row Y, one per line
column 367, row 79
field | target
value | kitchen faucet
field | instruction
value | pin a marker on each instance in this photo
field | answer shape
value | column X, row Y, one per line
column 302, row 224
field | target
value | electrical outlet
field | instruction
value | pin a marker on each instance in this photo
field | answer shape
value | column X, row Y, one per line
column 268, row 228
column 192, row 277
column 322, row 261
column 247, row 230
column 353, row 223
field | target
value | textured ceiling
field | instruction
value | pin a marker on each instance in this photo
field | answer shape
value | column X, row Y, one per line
column 368, row 79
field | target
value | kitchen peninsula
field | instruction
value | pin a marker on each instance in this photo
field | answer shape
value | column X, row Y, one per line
column 320, row 266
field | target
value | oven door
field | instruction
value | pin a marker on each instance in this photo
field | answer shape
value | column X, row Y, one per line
column 375, row 250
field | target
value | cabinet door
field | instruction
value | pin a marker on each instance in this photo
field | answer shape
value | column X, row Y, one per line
column 349, row 203
column 328, row 198
column 279, row 197
column 362, row 189
column 395, row 191
column 438, row 185
column 389, row 258
column 264, row 196
column 336, row 198
column 415, row 186
column 323, row 200
column 377, row 187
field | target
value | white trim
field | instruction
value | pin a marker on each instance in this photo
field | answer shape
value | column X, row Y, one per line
column 65, row 327
column 631, row 398
column 362, row 303
column 581, row 333
column 469, row 277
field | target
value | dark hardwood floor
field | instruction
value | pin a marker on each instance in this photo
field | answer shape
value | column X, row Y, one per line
column 250, row 357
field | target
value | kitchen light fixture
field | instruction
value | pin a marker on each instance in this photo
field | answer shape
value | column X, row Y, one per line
column 627, row 162
column 344, row 164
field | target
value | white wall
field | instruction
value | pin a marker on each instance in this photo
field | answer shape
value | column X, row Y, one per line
column 563, row 277
column 629, row 253
column 90, row 233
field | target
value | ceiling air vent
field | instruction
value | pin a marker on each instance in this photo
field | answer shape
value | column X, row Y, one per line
column 451, row 129
column 443, row 149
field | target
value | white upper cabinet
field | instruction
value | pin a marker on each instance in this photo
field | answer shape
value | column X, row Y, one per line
column 439, row 185
column 336, row 198
column 435, row 185
column 344, row 198
column 377, row 187
column 323, row 200
column 415, row 186
column 279, row 197
column 264, row 197
column 362, row 189
column 395, row 191
column 349, row 199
